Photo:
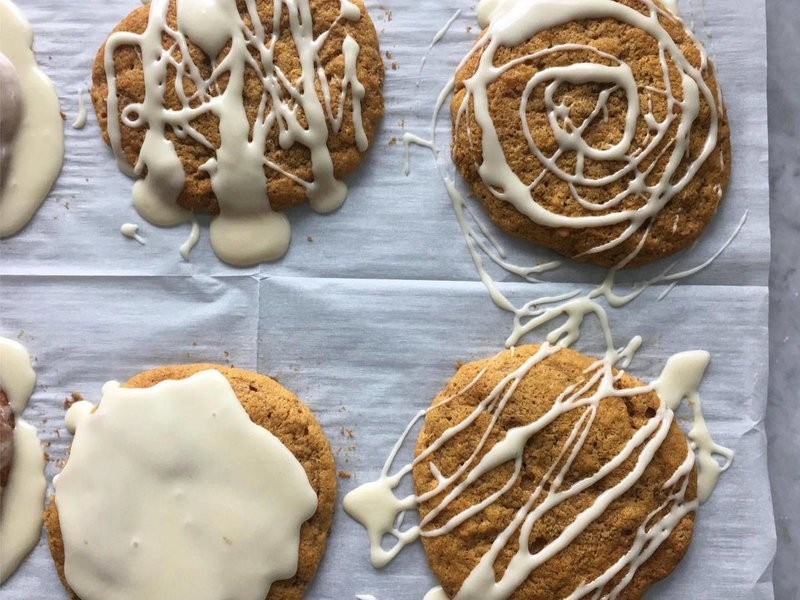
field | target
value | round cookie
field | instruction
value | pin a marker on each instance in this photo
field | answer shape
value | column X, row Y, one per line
column 276, row 409
column 454, row 554
column 574, row 174
column 282, row 191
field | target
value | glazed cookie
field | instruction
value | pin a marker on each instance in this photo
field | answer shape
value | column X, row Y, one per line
column 599, row 487
column 300, row 488
column 595, row 129
column 265, row 104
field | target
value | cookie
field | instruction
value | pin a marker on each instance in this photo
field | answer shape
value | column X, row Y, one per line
column 274, row 408
column 240, row 119
column 454, row 548
column 623, row 154
column 6, row 442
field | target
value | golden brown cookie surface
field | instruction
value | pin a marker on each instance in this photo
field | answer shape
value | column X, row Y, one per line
column 553, row 165
column 276, row 409
column 454, row 554
column 282, row 191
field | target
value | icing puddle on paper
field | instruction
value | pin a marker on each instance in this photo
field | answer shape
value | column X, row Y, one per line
column 197, row 513
column 31, row 126
column 246, row 231
column 22, row 499
column 560, row 320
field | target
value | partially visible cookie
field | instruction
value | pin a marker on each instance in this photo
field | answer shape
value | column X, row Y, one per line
column 6, row 442
column 599, row 135
column 454, row 549
column 274, row 408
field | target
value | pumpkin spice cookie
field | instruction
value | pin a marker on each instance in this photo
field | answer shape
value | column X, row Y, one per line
column 239, row 110
column 598, row 489
column 595, row 129
column 225, row 487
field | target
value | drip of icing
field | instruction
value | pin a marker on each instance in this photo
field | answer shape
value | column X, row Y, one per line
column 194, row 510
column 77, row 414
column 436, row 593
column 131, row 230
column 246, row 231
column 31, row 161
column 80, row 118
column 671, row 5
column 680, row 380
column 191, row 241
column 17, row 378
column 377, row 508
column 437, row 37
column 21, row 510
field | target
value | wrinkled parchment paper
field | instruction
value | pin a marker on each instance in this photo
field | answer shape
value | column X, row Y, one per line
column 367, row 315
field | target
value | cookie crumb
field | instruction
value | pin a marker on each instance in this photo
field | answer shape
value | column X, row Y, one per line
column 345, row 474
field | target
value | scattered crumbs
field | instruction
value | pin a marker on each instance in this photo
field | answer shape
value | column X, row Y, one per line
column 389, row 55
column 47, row 456
column 469, row 28
column 402, row 123
column 57, row 432
column 346, row 432
column 345, row 474
column 309, row 238
column 394, row 66
column 20, row 334
column 72, row 399
column 227, row 540
column 46, row 444
column 393, row 141
column 226, row 354
column 342, row 408
column 63, row 116
column 66, row 205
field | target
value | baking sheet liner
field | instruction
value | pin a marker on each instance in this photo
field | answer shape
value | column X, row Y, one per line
column 367, row 315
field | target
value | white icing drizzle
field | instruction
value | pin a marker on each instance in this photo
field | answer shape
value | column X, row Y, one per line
column 246, row 231
column 80, row 118
column 191, row 241
column 436, row 39
column 131, row 230
column 197, row 501
column 380, row 511
column 672, row 5
column 436, row 593
column 31, row 157
column 21, row 508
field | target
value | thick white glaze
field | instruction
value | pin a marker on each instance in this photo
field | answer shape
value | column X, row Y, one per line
column 173, row 492
column 80, row 118
column 131, row 231
column 21, row 509
column 246, row 231
column 31, row 158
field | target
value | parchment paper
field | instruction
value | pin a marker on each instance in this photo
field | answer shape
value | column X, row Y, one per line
column 373, row 306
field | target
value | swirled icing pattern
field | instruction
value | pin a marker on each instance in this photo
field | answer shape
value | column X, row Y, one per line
column 669, row 126
column 246, row 231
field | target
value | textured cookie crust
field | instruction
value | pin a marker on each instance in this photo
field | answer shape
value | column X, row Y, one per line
column 282, row 192
column 678, row 224
column 452, row 556
column 276, row 409
column 6, row 442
